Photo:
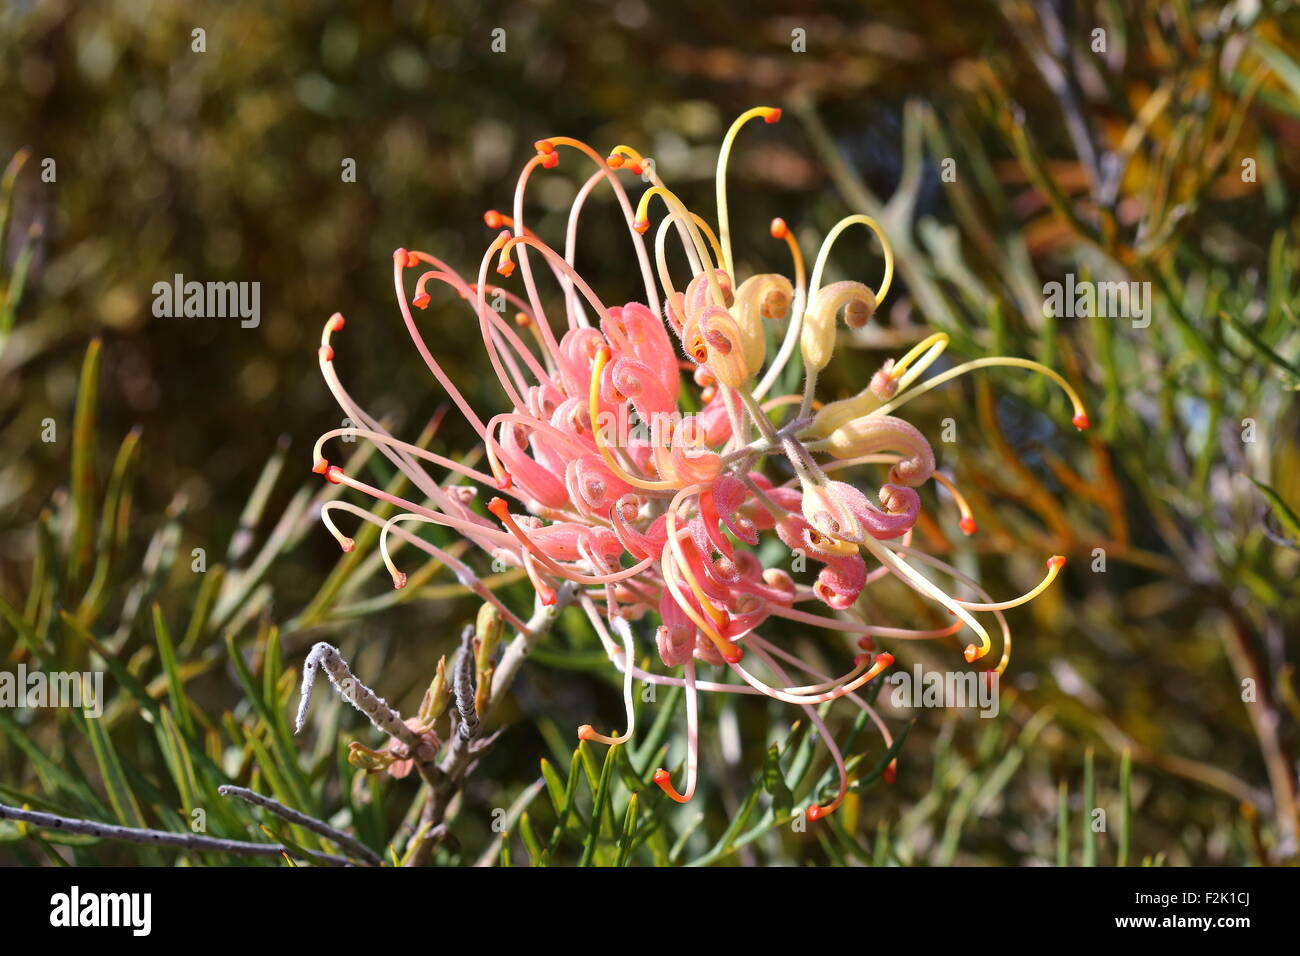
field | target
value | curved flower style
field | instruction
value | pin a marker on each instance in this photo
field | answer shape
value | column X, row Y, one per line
column 650, row 495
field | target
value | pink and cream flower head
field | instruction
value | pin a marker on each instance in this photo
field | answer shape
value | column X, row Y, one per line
column 642, row 455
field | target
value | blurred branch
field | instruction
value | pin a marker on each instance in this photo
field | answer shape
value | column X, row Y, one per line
column 184, row 841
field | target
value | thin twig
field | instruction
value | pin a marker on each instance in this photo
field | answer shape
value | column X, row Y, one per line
column 183, row 841
column 344, row 840
column 463, row 685
column 384, row 717
column 526, row 640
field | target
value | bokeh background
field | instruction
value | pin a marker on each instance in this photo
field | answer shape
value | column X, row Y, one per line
column 226, row 165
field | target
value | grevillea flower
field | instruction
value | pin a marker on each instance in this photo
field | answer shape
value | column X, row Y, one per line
column 642, row 455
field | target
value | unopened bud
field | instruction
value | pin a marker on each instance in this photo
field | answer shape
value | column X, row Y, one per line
column 487, row 628
column 437, row 696
column 371, row 761
column 483, row 693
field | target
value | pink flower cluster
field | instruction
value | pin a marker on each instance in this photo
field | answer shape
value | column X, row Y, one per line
column 643, row 458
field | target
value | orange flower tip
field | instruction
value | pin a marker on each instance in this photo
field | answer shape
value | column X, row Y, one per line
column 614, row 160
column 641, row 225
column 547, row 595
column 334, row 474
column 326, row 353
column 499, row 507
column 866, row 643
column 661, row 776
column 399, row 256
column 421, row 301
column 550, row 160
column 891, row 773
column 493, row 219
column 815, row 812
column 1081, row 422
column 773, row 115
column 967, row 525
column 544, row 146
column 399, row 580
column 885, row 659
column 970, row 653
column 1056, row 561
column 733, row 653
column 636, row 169
column 586, row 732
column 506, row 266
column 335, row 322
column 602, row 354
column 779, row 229
column 412, row 260
column 506, row 480
column 322, row 465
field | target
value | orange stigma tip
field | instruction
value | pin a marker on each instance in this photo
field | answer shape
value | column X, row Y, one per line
column 550, row 160
column 1056, row 561
column 421, row 301
column 970, row 653
column 635, row 168
column 665, row 783
column 967, row 525
column 412, row 260
column 493, row 219
column 506, row 267
column 399, row 255
column 772, row 115
column 522, row 320
column 779, row 229
column 544, row 146
column 885, row 660
column 641, row 225
column 586, row 732
column 890, row 774
column 547, row 595
column 399, row 580
column 1081, row 422
column 326, row 353
column 815, row 812
column 733, row 653
column 334, row 474
column 614, row 160
column 505, row 481
column 321, row 467
column 499, row 507
column 335, row 322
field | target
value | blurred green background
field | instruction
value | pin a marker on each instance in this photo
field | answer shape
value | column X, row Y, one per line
column 226, row 165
